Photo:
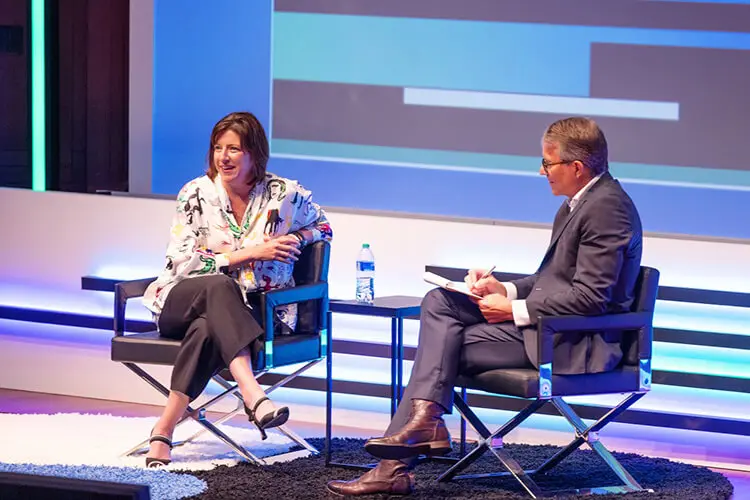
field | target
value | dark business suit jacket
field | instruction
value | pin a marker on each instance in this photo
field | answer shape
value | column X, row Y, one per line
column 589, row 268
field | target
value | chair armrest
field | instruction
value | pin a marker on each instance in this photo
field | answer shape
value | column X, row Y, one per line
column 133, row 288
column 282, row 296
column 573, row 323
column 295, row 294
column 125, row 290
column 549, row 325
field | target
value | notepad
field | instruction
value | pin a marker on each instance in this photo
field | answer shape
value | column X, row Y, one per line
column 453, row 286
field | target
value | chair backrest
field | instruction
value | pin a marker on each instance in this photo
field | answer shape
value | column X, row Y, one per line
column 312, row 267
column 646, row 288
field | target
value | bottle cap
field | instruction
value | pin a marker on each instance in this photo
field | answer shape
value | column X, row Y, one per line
column 365, row 245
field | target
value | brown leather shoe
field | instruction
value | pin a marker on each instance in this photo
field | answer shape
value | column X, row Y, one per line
column 425, row 433
column 389, row 476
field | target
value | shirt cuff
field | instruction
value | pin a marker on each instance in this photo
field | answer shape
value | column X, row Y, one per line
column 520, row 313
column 222, row 262
column 510, row 290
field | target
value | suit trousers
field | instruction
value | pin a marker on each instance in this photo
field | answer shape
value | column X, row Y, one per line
column 208, row 314
column 455, row 338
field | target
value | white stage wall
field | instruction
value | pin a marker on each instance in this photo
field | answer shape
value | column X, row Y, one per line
column 52, row 239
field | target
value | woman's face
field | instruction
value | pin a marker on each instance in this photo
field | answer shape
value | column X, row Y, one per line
column 232, row 163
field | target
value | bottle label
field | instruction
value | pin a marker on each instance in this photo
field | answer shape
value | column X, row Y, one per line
column 365, row 290
column 365, row 266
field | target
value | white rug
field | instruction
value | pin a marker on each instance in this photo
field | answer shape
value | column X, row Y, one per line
column 82, row 439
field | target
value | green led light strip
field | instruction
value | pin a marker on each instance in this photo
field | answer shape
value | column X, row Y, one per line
column 38, row 98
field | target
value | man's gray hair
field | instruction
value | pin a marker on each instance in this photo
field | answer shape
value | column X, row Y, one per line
column 580, row 138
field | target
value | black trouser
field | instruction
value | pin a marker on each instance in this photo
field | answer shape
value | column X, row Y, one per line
column 210, row 317
column 455, row 338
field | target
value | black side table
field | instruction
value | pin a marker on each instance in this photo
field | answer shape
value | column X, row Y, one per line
column 396, row 307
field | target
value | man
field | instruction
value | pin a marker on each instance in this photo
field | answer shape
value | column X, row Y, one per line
column 589, row 268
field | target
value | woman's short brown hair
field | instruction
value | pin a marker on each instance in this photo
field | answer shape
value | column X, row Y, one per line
column 252, row 140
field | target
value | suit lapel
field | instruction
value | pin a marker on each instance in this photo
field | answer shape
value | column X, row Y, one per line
column 557, row 232
column 563, row 219
column 558, row 228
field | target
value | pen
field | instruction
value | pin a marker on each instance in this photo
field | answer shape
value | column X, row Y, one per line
column 488, row 273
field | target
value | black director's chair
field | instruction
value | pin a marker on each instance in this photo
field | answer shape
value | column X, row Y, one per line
column 632, row 377
column 308, row 344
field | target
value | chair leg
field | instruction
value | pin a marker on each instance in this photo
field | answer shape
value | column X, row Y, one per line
column 200, row 432
column 517, row 472
column 584, row 435
column 513, row 468
column 583, row 432
column 630, row 483
column 329, row 389
column 198, row 415
column 292, row 376
column 145, row 376
column 298, row 439
column 229, row 388
column 195, row 414
column 560, row 455
column 284, row 429
column 462, row 464
column 462, row 451
column 241, row 450
column 232, row 389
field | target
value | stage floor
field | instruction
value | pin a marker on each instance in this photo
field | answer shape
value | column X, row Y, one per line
column 12, row 401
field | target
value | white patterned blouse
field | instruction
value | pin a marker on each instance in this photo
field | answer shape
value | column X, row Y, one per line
column 204, row 228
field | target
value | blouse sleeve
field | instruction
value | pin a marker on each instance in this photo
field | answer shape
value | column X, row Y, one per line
column 312, row 217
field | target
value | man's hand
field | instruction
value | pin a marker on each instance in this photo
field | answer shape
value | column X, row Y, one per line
column 484, row 286
column 495, row 308
column 283, row 248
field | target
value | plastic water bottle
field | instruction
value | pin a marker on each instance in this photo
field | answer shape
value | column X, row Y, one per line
column 365, row 275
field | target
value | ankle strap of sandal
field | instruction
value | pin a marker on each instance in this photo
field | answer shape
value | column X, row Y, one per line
column 258, row 403
column 161, row 439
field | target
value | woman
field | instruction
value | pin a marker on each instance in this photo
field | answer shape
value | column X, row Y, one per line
column 237, row 229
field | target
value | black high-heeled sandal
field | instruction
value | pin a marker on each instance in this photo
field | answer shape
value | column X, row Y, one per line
column 153, row 462
column 272, row 419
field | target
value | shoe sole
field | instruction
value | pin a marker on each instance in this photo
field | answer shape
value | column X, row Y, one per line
column 280, row 419
column 330, row 490
column 156, row 463
column 369, row 495
column 389, row 493
column 398, row 452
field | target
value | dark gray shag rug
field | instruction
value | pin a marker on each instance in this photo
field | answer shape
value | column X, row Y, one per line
column 307, row 477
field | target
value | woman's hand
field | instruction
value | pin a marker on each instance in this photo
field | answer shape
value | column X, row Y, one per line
column 283, row 248
column 483, row 286
column 305, row 235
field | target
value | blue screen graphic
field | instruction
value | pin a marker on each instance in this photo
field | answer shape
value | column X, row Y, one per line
column 432, row 107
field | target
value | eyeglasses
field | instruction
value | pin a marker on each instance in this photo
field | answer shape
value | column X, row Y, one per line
column 546, row 165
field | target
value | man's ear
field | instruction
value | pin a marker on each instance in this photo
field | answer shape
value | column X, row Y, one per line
column 580, row 168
